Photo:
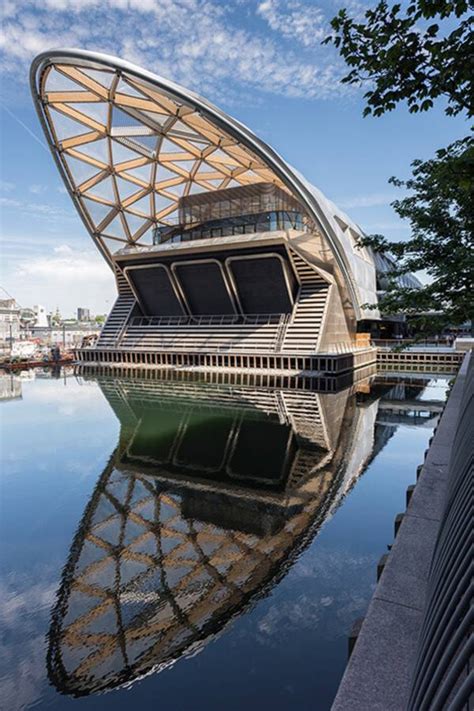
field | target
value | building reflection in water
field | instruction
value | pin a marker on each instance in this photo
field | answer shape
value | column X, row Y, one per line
column 209, row 496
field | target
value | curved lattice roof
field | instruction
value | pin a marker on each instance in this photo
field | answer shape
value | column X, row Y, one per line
column 129, row 151
column 129, row 144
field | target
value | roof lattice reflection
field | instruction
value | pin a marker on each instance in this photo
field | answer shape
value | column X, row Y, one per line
column 146, row 582
column 165, row 558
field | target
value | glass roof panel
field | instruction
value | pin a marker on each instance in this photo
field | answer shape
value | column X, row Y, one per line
column 79, row 170
column 113, row 244
column 233, row 184
column 161, row 202
column 96, row 149
column 121, row 119
column 185, row 163
column 125, row 188
column 143, row 205
column 104, row 189
column 168, row 146
column 103, row 77
column 134, row 223
column 220, row 157
column 182, row 128
column 148, row 142
column 177, row 190
column 121, row 153
column 165, row 173
column 59, row 82
column 158, row 118
column 146, row 236
column 96, row 210
column 115, row 228
column 66, row 127
column 99, row 111
column 123, row 87
column 196, row 188
column 199, row 143
column 215, row 182
column 143, row 172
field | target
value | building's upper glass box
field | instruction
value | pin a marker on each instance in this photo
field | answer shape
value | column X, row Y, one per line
column 255, row 208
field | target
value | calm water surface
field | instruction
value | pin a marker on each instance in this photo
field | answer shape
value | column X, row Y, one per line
column 177, row 545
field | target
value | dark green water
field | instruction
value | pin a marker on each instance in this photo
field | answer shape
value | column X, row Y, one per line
column 176, row 545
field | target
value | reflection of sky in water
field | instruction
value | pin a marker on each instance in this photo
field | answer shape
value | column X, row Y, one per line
column 287, row 650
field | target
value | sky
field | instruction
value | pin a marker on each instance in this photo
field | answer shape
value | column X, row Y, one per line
column 259, row 60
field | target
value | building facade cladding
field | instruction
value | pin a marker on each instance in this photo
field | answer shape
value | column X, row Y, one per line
column 9, row 320
column 131, row 147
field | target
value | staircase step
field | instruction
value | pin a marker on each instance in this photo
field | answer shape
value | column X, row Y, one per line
column 302, row 332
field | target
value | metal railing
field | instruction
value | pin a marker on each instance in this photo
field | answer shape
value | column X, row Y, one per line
column 410, row 343
column 177, row 342
column 208, row 320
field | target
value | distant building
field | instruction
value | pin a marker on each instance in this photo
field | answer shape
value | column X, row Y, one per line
column 41, row 316
column 83, row 314
column 27, row 317
column 9, row 321
column 68, row 334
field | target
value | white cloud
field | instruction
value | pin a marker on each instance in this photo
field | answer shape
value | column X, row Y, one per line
column 6, row 187
column 46, row 210
column 66, row 266
column 306, row 24
column 9, row 202
column 37, row 189
column 62, row 274
column 24, row 611
column 200, row 43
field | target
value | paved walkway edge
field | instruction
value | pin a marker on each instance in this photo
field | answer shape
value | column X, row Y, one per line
column 379, row 673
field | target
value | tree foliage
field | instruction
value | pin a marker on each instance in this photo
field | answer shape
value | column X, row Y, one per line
column 440, row 209
column 417, row 54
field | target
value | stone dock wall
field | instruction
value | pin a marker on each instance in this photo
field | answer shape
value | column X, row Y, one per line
column 414, row 648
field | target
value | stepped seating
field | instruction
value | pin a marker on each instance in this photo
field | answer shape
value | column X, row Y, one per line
column 266, row 333
column 119, row 315
column 303, row 330
column 191, row 396
column 204, row 334
column 304, row 414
